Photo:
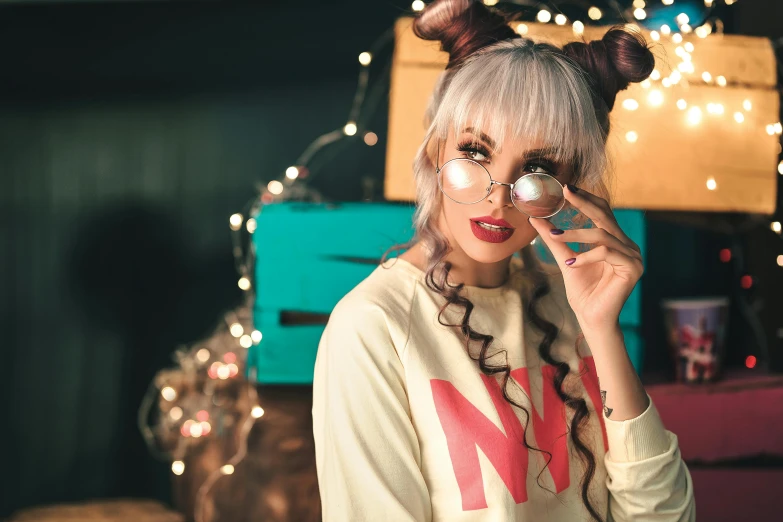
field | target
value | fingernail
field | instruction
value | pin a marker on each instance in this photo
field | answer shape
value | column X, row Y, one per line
column 572, row 188
column 556, row 232
column 570, row 262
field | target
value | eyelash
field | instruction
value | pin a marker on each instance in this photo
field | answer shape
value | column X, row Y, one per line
column 471, row 147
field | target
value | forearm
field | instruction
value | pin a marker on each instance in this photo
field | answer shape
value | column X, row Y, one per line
column 621, row 390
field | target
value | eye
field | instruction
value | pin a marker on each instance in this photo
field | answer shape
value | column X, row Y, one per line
column 474, row 152
column 540, row 167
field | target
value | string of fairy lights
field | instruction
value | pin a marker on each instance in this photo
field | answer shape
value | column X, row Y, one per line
column 211, row 390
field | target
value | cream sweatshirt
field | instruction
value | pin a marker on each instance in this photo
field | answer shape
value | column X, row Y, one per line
column 407, row 428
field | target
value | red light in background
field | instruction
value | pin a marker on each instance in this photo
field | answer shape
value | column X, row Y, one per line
column 725, row 255
column 750, row 361
column 746, row 282
column 202, row 415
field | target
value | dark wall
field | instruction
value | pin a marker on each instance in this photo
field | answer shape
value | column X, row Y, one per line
column 129, row 132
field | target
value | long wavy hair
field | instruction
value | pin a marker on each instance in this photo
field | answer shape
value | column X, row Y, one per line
column 505, row 85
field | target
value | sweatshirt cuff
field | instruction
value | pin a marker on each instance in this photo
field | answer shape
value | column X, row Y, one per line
column 637, row 439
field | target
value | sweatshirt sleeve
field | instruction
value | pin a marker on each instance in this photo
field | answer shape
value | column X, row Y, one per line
column 367, row 452
column 646, row 476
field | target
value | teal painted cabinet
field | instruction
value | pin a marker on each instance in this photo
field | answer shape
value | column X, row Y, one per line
column 309, row 255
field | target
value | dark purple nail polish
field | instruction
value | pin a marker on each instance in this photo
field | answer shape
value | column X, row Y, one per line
column 570, row 262
column 572, row 188
column 556, row 232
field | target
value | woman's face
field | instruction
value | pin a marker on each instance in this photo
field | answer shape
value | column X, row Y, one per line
column 463, row 223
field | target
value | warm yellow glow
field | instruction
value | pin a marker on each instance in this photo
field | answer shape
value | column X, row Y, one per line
column 685, row 28
column 228, row 469
column 682, row 104
column 175, row 413
column 544, row 16
column 711, row 184
column 245, row 341
column 730, row 2
column 715, row 108
column 223, row 372
column 693, row 116
column 739, row 117
column 667, row 2
column 292, row 172
column 521, row 29
column 202, row 355
column 490, row 2
column 235, row 221
column 365, row 58
column 639, row 14
column 257, row 412
column 631, row 136
column 417, row 5
column 677, row 38
column 236, row 330
column 641, row 4
column 780, row 260
column 665, row 29
column 780, row 168
column 561, row 19
column 578, row 27
column 686, row 67
column 707, row 77
column 703, row 31
column 655, row 35
column 675, row 76
column 770, row 129
column 350, row 128
column 275, row 187
column 747, row 105
column 721, row 80
column 689, row 47
column 682, row 18
column 666, row 82
column 655, row 75
column 655, row 98
column 251, row 225
column 594, row 13
column 646, row 84
column 630, row 104
column 178, row 467
column 256, row 336
column 778, row 128
column 775, row 226
column 169, row 393
column 244, row 283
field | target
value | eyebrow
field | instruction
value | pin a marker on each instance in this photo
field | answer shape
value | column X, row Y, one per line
column 544, row 152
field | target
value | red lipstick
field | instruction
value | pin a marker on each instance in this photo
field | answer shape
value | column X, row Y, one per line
column 491, row 230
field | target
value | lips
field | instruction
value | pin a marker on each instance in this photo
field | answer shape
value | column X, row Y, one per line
column 489, row 220
column 491, row 235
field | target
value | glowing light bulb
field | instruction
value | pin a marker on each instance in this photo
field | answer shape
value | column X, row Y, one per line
column 202, row 355
column 594, row 13
column 721, row 80
column 256, row 336
column 682, row 18
column 544, row 16
column 235, row 221
column 228, row 469
column 702, row 31
column 646, row 84
column 750, row 360
column 561, row 19
column 245, row 341
column 641, row 4
column 685, row 28
column 257, row 412
column 693, row 116
column 631, row 136
column 275, row 187
column 770, row 130
column 655, row 98
column 251, row 225
column 780, row 260
column 739, row 117
column 677, row 38
column 365, row 58
column 370, row 139
column 655, row 35
column 711, row 184
column 675, row 76
column 578, row 27
column 630, row 104
column 667, row 2
column 747, row 105
column 775, row 226
column 521, row 29
column 682, row 104
column 178, row 467
column 639, row 14
column 780, row 168
column 223, row 372
column 417, row 5
column 778, row 128
column 689, row 47
column 292, row 172
column 707, row 77
column 666, row 82
column 656, row 74
column 244, row 283
column 665, row 29
column 236, row 330
column 350, row 128
column 175, row 413
column 169, row 393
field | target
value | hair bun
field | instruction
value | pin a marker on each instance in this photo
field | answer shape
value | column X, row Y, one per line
column 618, row 59
column 462, row 27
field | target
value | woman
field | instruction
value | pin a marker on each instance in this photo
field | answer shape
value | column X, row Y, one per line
column 460, row 382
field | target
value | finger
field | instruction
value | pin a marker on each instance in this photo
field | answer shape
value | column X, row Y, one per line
column 599, row 212
column 594, row 236
column 560, row 251
column 618, row 260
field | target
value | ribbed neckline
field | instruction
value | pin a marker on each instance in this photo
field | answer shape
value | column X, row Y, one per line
column 472, row 291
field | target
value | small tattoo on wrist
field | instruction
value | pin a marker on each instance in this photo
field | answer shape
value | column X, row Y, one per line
column 607, row 411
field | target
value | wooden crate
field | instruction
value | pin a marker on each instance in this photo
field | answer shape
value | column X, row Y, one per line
column 668, row 167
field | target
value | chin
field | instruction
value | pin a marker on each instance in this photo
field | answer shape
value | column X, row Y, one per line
column 489, row 253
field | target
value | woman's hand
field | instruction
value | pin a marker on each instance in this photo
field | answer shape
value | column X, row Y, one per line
column 599, row 281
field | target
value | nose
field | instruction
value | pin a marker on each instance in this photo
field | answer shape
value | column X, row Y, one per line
column 500, row 195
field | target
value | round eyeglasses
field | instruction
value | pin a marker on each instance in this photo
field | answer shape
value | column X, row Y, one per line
column 467, row 182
